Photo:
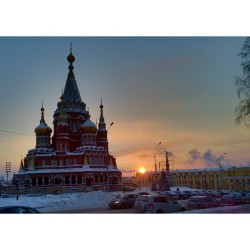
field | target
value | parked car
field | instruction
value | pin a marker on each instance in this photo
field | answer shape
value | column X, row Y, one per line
column 144, row 193
column 200, row 202
column 247, row 198
column 157, row 204
column 188, row 192
column 182, row 195
column 214, row 193
column 172, row 194
column 123, row 201
column 232, row 200
column 18, row 210
column 128, row 189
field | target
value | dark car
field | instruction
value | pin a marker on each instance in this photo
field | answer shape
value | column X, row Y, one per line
column 232, row 200
column 18, row 210
column 128, row 189
column 182, row 195
column 199, row 202
column 123, row 201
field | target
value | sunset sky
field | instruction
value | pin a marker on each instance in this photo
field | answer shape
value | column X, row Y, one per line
column 175, row 90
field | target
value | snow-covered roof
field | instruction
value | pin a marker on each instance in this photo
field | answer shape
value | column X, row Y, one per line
column 67, row 170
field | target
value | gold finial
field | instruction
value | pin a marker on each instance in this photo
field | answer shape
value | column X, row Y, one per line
column 42, row 114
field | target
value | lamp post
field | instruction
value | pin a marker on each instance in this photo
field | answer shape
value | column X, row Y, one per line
column 155, row 165
column 8, row 170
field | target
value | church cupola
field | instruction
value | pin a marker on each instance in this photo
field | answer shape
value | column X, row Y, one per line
column 88, row 129
column 43, row 132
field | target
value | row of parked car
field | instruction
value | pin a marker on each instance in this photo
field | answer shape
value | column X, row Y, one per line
column 168, row 201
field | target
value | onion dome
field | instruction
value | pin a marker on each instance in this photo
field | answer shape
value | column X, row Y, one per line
column 43, row 128
column 88, row 126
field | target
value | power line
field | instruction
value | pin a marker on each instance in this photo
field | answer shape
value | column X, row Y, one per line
column 12, row 132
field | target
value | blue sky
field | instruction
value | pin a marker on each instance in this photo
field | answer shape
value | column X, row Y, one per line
column 177, row 90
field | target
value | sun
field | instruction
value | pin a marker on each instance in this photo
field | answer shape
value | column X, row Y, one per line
column 142, row 170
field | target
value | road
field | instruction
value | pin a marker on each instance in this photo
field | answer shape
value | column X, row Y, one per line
column 241, row 209
column 100, row 210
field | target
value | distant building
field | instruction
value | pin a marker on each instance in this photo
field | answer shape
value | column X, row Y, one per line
column 235, row 178
column 77, row 154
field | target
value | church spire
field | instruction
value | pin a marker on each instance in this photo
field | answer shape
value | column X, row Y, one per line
column 71, row 59
column 71, row 93
column 102, row 124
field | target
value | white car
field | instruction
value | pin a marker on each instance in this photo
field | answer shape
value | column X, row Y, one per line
column 157, row 204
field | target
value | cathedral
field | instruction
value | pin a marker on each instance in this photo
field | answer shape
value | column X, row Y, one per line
column 77, row 154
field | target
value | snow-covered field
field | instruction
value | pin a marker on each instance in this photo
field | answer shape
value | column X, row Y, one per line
column 62, row 202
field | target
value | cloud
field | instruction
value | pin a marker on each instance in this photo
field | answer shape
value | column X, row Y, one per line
column 194, row 155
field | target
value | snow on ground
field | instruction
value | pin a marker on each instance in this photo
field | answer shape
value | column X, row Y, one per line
column 67, row 201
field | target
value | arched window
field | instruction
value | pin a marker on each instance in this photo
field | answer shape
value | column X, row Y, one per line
column 96, row 159
column 101, row 159
column 73, row 180
column 34, row 181
column 79, row 180
column 91, row 160
column 57, row 180
column 46, row 181
column 67, row 180
column 96, row 179
column 40, row 181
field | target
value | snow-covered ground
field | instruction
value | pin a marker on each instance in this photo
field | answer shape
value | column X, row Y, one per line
column 67, row 201
column 82, row 200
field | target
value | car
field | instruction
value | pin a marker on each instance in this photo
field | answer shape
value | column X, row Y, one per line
column 247, row 198
column 18, row 210
column 214, row 193
column 187, row 192
column 172, row 194
column 232, row 200
column 144, row 193
column 157, row 204
column 182, row 195
column 200, row 202
column 128, row 189
column 123, row 201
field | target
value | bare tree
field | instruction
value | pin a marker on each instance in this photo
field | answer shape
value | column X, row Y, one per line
column 243, row 87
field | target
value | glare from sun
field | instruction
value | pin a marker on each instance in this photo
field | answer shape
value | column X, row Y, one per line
column 142, row 170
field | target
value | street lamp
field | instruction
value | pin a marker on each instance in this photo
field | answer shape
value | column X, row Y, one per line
column 155, row 164
column 8, row 170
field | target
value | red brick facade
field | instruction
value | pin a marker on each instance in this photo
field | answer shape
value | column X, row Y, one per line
column 77, row 153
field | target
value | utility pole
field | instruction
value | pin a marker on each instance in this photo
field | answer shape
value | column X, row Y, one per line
column 155, row 179
column 8, row 170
